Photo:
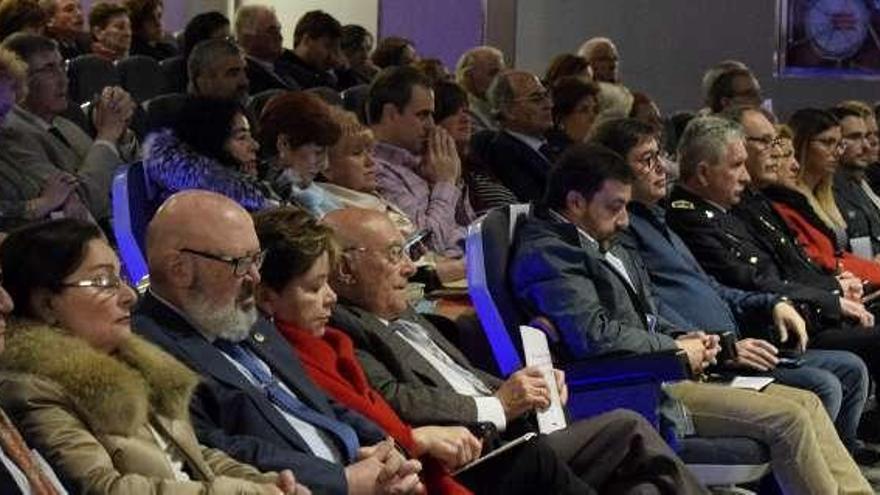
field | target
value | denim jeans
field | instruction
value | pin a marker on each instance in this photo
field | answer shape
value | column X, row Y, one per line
column 840, row 379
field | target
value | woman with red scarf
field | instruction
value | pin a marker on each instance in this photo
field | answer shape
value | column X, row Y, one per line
column 294, row 291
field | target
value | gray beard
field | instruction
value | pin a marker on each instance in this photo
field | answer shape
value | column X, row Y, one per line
column 231, row 323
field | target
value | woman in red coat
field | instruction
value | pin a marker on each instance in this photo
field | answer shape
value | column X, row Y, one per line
column 808, row 205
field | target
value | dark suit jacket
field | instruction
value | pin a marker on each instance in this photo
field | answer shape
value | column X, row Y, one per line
column 418, row 393
column 260, row 78
column 231, row 414
column 753, row 254
column 686, row 295
column 290, row 66
column 861, row 215
column 554, row 274
column 519, row 167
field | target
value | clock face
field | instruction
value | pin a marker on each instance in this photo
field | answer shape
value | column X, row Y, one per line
column 836, row 28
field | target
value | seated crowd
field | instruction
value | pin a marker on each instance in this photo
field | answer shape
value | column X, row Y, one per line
column 280, row 343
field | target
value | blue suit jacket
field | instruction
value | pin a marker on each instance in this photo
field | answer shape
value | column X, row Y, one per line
column 231, row 414
column 686, row 295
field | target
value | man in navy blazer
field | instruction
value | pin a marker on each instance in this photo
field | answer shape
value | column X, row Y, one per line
column 204, row 259
column 518, row 154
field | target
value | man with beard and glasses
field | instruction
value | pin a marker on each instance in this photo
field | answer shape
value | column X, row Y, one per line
column 256, row 401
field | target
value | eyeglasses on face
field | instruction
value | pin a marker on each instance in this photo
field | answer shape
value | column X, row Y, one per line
column 650, row 161
column 394, row 253
column 537, row 96
column 764, row 143
column 108, row 282
column 240, row 265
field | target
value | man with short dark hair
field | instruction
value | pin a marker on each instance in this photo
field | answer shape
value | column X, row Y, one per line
column 316, row 51
column 66, row 26
column 566, row 267
column 418, row 165
column 518, row 154
column 50, row 143
column 858, row 202
column 734, row 86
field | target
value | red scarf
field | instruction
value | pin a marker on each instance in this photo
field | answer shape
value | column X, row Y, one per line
column 331, row 363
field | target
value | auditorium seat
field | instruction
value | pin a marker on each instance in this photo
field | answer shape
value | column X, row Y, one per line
column 162, row 110
column 258, row 101
column 174, row 71
column 89, row 75
column 354, row 99
column 134, row 202
column 141, row 77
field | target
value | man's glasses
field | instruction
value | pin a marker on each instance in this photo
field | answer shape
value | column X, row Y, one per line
column 764, row 143
column 240, row 265
column 536, row 97
column 394, row 253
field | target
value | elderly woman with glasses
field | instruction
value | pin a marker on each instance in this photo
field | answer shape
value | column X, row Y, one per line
column 107, row 408
column 808, row 205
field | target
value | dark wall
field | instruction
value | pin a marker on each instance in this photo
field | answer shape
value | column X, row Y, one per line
column 666, row 45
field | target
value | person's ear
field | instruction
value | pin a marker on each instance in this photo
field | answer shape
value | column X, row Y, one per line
column 702, row 174
column 389, row 111
column 575, row 201
column 344, row 271
column 179, row 269
column 267, row 299
column 282, row 144
column 43, row 305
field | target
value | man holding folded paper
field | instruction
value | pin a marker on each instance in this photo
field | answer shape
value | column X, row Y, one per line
column 428, row 381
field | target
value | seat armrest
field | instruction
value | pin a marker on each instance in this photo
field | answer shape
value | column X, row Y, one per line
column 661, row 366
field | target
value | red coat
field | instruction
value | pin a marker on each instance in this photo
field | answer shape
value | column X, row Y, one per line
column 819, row 244
column 332, row 365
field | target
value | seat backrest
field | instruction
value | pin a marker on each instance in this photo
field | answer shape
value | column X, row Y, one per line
column 354, row 99
column 134, row 203
column 488, row 250
column 89, row 75
column 258, row 101
column 174, row 71
column 141, row 76
column 162, row 111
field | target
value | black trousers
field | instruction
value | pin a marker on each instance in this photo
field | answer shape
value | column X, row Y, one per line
column 614, row 453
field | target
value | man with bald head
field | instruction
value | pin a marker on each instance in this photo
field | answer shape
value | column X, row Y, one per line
column 256, row 401
column 518, row 154
column 428, row 381
column 603, row 58
column 475, row 71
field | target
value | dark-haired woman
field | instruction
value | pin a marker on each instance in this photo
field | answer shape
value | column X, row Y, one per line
column 146, row 27
column 484, row 191
column 107, row 408
column 298, row 127
column 575, row 107
column 210, row 147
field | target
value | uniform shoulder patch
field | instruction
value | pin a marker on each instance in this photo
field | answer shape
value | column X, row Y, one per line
column 682, row 204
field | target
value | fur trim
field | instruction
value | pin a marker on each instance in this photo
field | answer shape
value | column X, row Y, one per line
column 115, row 392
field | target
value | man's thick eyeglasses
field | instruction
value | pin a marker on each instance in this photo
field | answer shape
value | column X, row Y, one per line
column 536, row 97
column 764, row 143
column 240, row 265
column 105, row 283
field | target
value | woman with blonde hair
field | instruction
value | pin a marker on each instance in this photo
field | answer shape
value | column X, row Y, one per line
column 808, row 205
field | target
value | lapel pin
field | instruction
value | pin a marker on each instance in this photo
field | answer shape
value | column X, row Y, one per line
column 259, row 337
